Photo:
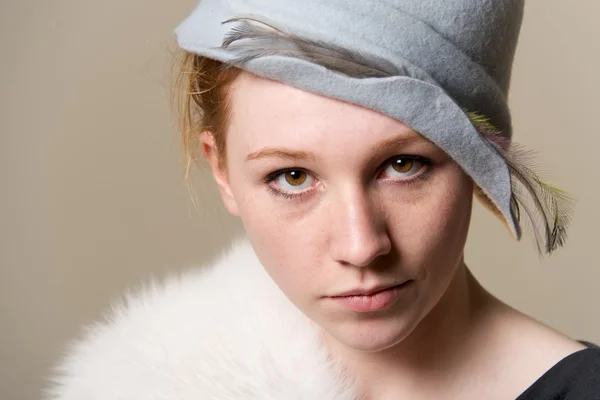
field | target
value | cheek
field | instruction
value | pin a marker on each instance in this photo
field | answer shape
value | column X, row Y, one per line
column 290, row 247
column 431, row 232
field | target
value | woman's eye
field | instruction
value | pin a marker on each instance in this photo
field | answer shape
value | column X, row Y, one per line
column 295, row 180
column 403, row 167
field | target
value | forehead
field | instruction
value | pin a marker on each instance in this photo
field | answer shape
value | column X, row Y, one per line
column 266, row 112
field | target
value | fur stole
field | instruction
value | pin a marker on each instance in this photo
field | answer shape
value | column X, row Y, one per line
column 220, row 332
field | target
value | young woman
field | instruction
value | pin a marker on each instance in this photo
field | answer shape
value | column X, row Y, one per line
column 349, row 137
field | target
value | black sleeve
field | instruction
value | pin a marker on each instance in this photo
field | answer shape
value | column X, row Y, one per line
column 576, row 377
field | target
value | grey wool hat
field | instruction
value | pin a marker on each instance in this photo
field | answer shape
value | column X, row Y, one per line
column 441, row 67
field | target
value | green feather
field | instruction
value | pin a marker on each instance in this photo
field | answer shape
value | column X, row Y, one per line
column 548, row 208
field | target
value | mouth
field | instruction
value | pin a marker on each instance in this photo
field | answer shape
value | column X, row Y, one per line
column 371, row 299
column 369, row 291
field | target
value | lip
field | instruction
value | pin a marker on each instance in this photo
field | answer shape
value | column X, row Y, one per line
column 368, row 292
column 372, row 299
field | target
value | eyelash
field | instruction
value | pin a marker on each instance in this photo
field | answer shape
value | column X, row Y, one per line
column 419, row 177
column 280, row 193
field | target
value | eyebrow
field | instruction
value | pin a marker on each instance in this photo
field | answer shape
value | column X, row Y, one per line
column 396, row 143
column 280, row 152
column 300, row 155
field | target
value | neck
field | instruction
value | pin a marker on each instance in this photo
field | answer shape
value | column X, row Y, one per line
column 432, row 353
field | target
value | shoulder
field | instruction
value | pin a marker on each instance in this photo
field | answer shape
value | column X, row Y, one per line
column 575, row 377
column 192, row 337
column 535, row 361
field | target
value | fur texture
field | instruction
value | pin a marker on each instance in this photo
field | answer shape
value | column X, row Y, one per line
column 219, row 332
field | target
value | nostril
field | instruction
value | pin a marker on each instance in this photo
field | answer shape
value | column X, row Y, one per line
column 362, row 253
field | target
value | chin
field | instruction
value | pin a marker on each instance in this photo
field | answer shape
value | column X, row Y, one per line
column 371, row 335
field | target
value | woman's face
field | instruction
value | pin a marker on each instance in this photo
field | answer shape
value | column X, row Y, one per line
column 340, row 201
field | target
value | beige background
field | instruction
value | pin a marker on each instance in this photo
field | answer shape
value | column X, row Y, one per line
column 93, row 200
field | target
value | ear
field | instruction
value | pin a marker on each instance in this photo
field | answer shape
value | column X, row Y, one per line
column 219, row 171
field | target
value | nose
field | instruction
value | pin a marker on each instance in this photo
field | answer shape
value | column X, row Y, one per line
column 358, row 230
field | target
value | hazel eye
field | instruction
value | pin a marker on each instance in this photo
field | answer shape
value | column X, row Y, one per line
column 295, row 178
column 403, row 167
column 293, row 181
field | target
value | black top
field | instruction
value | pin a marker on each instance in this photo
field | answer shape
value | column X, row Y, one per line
column 575, row 377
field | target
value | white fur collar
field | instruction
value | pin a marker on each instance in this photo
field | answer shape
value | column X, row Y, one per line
column 225, row 332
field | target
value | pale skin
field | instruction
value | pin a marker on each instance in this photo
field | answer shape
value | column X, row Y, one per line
column 334, row 196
